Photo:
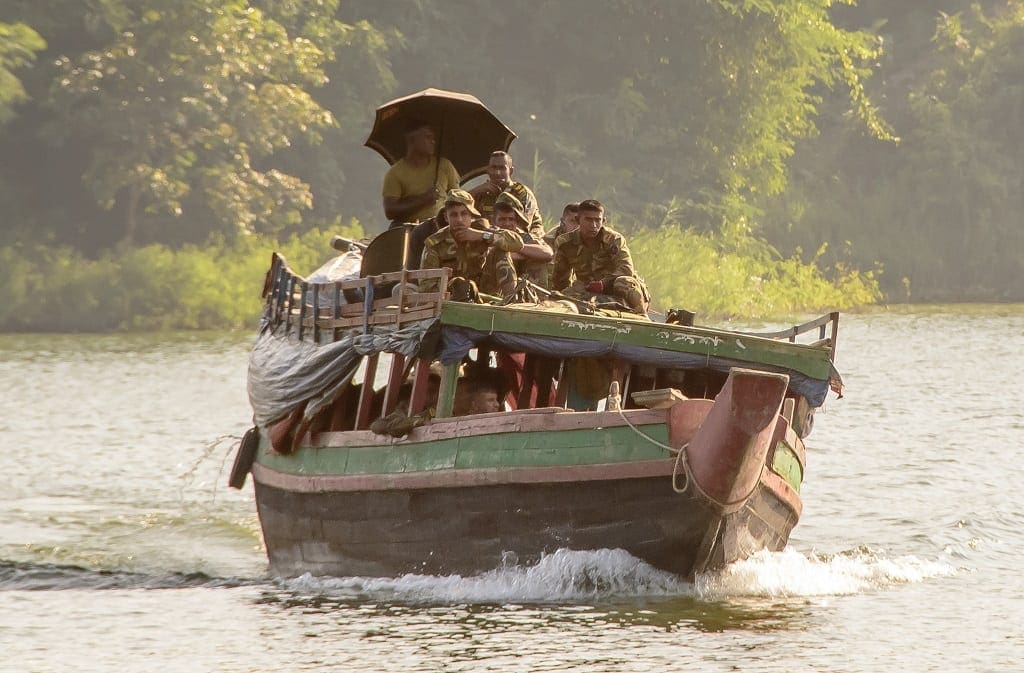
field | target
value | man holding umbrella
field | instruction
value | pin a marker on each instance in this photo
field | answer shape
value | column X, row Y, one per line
column 414, row 187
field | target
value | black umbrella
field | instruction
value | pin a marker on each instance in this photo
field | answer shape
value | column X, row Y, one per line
column 467, row 132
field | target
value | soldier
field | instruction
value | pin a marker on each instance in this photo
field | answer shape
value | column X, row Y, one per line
column 601, row 261
column 499, row 179
column 565, row 225
column 414, row 187
column 475, row 251
column 532, row 262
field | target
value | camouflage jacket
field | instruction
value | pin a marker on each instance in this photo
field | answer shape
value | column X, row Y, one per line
column 485, row 197
column 605, row 261
column 487, row 264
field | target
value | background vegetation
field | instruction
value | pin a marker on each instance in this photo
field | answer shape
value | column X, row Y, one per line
column 763, row 156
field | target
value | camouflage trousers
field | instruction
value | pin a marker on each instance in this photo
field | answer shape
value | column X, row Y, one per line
column 496, row 275
column 629, row 290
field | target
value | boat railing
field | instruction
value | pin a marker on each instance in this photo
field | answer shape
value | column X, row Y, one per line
column 323, row 312
column 827, row 326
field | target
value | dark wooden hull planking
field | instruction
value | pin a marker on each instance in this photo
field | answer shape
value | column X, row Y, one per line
column 677, row 513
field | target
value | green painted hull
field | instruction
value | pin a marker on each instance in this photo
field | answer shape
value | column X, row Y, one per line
column 345, row 506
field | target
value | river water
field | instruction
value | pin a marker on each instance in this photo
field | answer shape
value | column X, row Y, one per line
column 121, row 549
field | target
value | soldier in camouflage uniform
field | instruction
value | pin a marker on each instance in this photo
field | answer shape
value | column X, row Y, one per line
column 601, row 261
column 499, row 179
column 566, row 224
column 472, row 249
column 533, row 261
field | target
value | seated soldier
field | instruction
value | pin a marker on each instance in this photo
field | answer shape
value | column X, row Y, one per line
column 499, row 179
column 601, row 261
column 478, row 393
column 532, row 262
column 420, row 233
column 472, row 249
column 566, row 224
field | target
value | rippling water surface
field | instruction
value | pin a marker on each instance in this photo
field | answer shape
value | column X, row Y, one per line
column 121, row 549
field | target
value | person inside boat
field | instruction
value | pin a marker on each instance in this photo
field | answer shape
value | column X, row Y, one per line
column 566, row 224
column 601, row 261
column 533, row 261
column 478, row 254
column 499, row 179
column 420, row 233
column 479, row 392
column 414, row 187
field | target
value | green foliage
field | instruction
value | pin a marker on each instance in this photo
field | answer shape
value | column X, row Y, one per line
column 18, row 44
column 741, row 279
column 152, row 287
column 188, row 99
column 941, row 212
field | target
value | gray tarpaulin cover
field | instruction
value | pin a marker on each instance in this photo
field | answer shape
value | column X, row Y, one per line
column 285, row 372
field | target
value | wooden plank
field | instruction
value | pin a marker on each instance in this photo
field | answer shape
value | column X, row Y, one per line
column 316, row 312
column 396, row 377
column 289, row 297
column 366, row 394
column 446, row 391
column 420, row 385
column 463, row 477
column 335, row 312
column 526, row 420
column 380, row 318
column 303, row 296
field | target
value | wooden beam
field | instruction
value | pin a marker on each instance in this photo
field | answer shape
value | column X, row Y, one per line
column 420, row 386
column 396, row 377
column 366, row 394
column 446, row 392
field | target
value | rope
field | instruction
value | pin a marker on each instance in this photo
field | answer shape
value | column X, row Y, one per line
column 650, row 439
column 680, row 455
column 681, row 458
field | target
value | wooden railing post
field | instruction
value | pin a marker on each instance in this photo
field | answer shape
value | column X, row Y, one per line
column 366, row 395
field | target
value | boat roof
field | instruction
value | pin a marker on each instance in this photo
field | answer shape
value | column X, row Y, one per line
column 813, row 361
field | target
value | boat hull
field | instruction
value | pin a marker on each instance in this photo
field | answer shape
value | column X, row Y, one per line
column 470, row 520
column 465, row 495
column 470, row 530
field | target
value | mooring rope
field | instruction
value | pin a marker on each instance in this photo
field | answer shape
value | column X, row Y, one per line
column 680, row 455
column 650, row 439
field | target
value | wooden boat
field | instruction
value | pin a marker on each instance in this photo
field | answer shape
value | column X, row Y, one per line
column 682, row 445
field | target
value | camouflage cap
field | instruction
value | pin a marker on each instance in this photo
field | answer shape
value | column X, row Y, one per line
column 461, row 197
column 509, row 199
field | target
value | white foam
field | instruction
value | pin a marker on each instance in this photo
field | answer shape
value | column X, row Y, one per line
column 567, row 576
column 563, row 576
column 790, row 573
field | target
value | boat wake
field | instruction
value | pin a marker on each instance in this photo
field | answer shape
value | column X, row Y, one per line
column 593, row 576
column 19, row 576
column 563, row 576
column 790, row 573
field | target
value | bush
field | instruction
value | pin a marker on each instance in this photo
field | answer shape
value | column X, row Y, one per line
column 741, row 279
column 216, row 286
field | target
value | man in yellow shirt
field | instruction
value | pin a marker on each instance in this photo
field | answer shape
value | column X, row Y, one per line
column 415, row 186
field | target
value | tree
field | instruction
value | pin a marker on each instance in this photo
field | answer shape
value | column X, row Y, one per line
column 18, row 46
column 189, row 100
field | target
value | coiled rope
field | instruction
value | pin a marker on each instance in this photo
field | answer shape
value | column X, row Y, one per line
column 680, row 455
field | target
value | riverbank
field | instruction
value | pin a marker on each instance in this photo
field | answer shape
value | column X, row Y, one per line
column 156, row 288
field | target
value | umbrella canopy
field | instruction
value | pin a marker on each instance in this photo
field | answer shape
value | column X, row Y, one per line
column 467, row 132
